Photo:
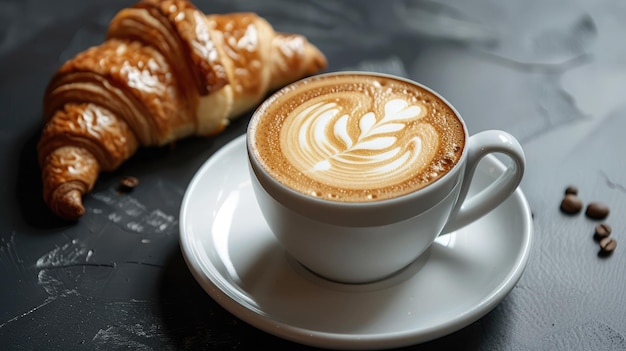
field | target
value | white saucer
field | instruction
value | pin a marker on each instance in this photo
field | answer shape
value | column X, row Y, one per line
column 236, row 259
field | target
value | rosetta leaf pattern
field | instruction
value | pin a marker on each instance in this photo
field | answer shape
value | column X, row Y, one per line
column 377, row 136
column 375, row 133
column 353, row 142
column 337, row 145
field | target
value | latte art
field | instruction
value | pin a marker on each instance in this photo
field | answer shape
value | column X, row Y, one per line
column 356, row 137
column 319, row 140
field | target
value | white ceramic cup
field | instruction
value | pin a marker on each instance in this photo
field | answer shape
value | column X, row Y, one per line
column 364, row 242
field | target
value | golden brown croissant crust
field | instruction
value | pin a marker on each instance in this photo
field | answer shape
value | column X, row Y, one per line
column 166, row 71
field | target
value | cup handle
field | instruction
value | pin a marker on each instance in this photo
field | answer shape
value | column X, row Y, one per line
column 467, row 210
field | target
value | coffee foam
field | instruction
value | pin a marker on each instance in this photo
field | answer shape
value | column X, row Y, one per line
column 356, row 137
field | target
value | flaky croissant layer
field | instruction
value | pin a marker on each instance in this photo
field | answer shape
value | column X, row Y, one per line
column 166, row 71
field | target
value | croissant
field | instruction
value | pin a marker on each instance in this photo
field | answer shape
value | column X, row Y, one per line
column 165, row 71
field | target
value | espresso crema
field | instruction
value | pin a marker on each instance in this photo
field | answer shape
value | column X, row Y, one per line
column 356, row 138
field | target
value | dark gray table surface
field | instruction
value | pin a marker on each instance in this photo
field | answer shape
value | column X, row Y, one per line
column 550, row 72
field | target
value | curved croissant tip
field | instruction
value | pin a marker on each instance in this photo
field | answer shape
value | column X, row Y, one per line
column 70, row 207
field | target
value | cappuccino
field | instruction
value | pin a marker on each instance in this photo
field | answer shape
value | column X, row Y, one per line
column 356, row 137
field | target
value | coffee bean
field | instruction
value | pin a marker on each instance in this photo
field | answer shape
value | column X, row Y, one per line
column 571, row 204
column 571, row 190
column 602, row 231
column 128, row 183
column 608, row 245
column 597, row 210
